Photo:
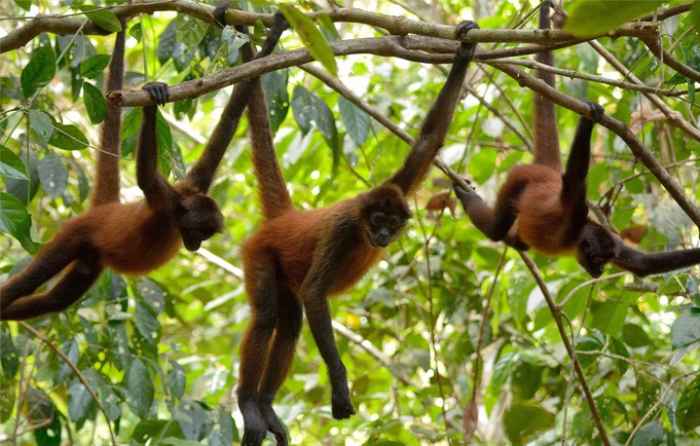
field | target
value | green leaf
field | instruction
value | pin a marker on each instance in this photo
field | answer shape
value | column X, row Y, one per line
column 695, row 15
column 15, row 220
column 139, row 388
column 80, row 402
column 167, row 42
column 39, row 71
column 176, row 380
column 24, row 4
column 155, row 429
column 10, row 356
column 68, row 137
column 104, row 18
column 11, row 166
column 685, row 330
column 41, row 125
column 95, row 103
column 591, row 17
column 312, row 38
column 147, row 324
column 526, row 379
column 523, row 421
column 276, row 95
column 688, row 410
column 609, row 317
column 92, row 67
column 49, row 435
column 651, row 434
column 356, row 121
column 53, row 175
column 635, row 336
column 302, row 108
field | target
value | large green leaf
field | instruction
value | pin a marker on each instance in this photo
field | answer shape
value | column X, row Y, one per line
column 685, row 330
column 68, row 137
column 356, row 121
column 11, row 166
column 139, row 388
column 95, row 103
column 15, row 220
column 93, row 66
column 313, row 39
column 39, row 71
column 53, row 175
column 590, row 17
column 41, row 125
column 523, row 421
column 104, row 18
column 688, row 409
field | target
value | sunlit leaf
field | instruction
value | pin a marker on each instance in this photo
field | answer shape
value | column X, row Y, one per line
column 590, row 17
column 313, row 39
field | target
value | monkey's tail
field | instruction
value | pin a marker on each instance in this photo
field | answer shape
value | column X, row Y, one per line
column 106, row 188
column 547, row 150
column 273, row 189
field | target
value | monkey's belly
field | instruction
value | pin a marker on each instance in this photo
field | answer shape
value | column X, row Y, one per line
column 543, row 235
column 356, row 267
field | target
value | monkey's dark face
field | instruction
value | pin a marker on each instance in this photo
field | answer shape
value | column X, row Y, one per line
column 198, row 219
column 385, row 214
column 595, row 248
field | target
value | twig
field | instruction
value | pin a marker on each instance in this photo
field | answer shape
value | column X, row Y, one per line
column 637, row 148
column 397, row 25
column 78, row 373
column 591, row 77
column 556, row 315
column 664, row 56
column 673, row 116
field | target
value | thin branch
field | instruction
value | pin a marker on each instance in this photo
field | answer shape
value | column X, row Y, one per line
column 592, row 77
column 77, row 372
column 674, row 117
column 637, row 148
column 397, row 25
column 556, row 315
column 667, row 13
column 664, row 56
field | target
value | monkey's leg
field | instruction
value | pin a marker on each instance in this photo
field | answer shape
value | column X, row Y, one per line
column 53, row 258
column 279, row 361
column 261, row 284
column 75, row 282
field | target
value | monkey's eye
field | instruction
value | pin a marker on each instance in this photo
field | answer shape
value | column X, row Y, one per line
column 376, row 219
column 395, row 221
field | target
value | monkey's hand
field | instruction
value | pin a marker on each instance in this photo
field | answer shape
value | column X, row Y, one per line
column 466, row 49
column 465, row 194
column 158, row 91
column 596, row 111
column 341, row 406
column 279, row 22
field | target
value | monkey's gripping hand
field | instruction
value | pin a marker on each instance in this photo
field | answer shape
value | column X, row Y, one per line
column 465, row 195
column 596, row 111
column 158, row 91
column 466, row 49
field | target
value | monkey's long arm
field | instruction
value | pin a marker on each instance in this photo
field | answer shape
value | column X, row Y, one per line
column 494, row 222
column 436, row 123
column 202, row 173
column 642, row 264
column 106, row 188
column 329, row 258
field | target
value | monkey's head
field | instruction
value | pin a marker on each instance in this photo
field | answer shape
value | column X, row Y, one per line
column 384, row 213
column 595, row 248
column 198, row 218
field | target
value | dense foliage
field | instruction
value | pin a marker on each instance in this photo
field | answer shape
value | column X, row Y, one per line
column 160, row 353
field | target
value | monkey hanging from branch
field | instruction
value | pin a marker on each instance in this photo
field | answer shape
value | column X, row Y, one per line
column 132, row 238
column 542, row 208
column 296, row 259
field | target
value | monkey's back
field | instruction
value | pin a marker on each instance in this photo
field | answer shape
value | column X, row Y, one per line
column 131, row 237
column 293, row 237
column 541, row 218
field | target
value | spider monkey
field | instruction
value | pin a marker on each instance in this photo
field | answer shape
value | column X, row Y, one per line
column 539, row 207
column 133, row 238
column 297, row 258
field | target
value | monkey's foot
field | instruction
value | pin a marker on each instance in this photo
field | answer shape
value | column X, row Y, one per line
column 596, row 111
column 342, row 407
column 158, row 91
column 254, row 425
column 466, row 49
column 464, row 193
column 274, row 424
column 280, row 23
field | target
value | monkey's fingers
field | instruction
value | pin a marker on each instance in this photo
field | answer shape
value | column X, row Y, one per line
column 219, row 13
column 280, row 22
column 158, row 91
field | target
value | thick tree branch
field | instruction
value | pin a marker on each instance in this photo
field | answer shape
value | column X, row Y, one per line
column 556, row 315
column 638, row 149
column 398, row 25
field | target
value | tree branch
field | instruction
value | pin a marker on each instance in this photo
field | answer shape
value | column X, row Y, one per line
column 398, row 25
column 556, row 315
column 664, row 56
column 77, row 372
column 637, row 148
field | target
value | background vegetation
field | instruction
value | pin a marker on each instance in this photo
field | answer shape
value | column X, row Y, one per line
column 160, row 353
